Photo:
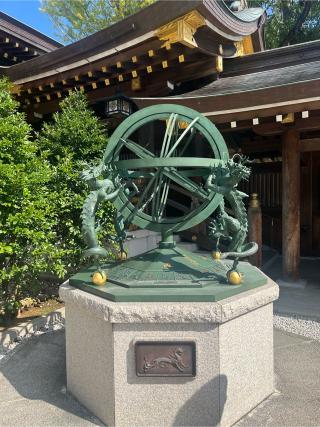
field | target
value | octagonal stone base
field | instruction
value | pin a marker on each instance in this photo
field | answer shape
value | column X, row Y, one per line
column 234, row 358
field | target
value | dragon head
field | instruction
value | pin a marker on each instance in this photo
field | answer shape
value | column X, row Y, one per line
column 179, row 351
column 237, row 168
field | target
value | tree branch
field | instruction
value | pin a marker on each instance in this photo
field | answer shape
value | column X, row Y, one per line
column 298, row 24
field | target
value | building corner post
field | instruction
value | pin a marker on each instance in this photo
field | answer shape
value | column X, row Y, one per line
column 290, row 204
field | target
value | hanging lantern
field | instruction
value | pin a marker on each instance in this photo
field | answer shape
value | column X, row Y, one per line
column 118, row 106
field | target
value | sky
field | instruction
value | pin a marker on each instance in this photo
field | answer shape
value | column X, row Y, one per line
column 27, row 11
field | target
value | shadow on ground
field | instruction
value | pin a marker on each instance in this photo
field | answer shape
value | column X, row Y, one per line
column 33, row 386
column 309, row 269
column 295, row 402
column 294, row 301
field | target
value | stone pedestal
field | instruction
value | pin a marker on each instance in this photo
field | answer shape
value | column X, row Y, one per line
column 141, row 242
column 233, row 358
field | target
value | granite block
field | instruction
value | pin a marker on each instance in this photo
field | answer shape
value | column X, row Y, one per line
column 175, row 401
column 246, row 359
column 89, row 357
column 234, row 358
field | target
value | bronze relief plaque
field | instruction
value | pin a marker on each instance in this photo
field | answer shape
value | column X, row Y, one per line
column 165, row 358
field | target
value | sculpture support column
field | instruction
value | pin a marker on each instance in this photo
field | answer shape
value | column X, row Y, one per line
column 290, row 205
column 255, row 228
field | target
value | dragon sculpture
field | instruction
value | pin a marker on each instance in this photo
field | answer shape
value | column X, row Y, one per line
column 101, row 190
column 231, row 229
column 175, row 359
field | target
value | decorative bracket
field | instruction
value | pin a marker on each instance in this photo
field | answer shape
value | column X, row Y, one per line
column 181, row 30
column 244, row 47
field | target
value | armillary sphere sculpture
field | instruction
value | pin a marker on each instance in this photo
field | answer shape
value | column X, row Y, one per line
column 166, row 168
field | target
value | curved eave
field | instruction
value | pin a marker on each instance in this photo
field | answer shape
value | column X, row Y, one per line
column 251, row 96
column 233, row 24
column 27, row 34
column 135, row 29
column 249, row 15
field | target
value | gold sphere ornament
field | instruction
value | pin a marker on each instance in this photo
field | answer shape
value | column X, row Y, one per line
column 123, row 255
column 99, row 278
column 216, row 255
column 234, row 277
column 194, row 238
column 134, row 200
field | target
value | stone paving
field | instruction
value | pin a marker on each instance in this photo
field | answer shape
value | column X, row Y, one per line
column 33, row 392
column 299, row 302
column 296, row 401
column 32, row 386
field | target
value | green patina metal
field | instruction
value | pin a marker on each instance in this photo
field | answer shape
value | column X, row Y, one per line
column 168, row 273
column 232, row 229
column 169, row 165
column 101, row 191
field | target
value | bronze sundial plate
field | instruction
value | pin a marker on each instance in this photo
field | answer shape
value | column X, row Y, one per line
column 149, row 278
column 165, row 358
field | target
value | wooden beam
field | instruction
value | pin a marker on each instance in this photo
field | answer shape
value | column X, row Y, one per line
column 260, row 146
column 123, row 59
column 176, row 71
column 290, row 205
column 310, row 144
column 277, row 128
column 87, row 76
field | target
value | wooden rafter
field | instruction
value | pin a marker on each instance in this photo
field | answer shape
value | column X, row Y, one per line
column 110, row 76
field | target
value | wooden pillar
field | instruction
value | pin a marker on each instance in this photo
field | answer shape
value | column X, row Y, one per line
column 290, row 205
column 255, row 228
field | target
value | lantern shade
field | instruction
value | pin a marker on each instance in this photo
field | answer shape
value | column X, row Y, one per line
column 118, row 105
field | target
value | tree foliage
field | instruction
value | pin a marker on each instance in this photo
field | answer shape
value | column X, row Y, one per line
column 41, row 193
column 75, row 19
column 74, row 139
column 27, row 217
column 290, row 21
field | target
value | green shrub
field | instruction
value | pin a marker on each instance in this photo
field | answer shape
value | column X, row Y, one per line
column 27, row 215
column 74, row 138
column 41, row 194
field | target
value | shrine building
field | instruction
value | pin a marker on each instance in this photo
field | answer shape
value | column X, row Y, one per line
column 19, row 42
column 210, row 56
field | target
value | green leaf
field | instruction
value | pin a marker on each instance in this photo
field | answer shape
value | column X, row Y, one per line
column 75, row 19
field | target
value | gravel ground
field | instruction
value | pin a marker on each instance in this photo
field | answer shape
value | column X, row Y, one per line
column 8, row 351
column 298, row 325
